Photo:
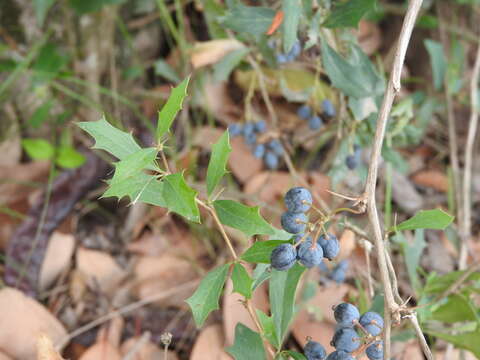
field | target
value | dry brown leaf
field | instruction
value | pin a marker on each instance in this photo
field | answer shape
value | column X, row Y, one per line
column 11, row 150
column 434, row 179
column 102, row 350
column 369, row 36
column 234, row 311
column 407, row 351
column 99, row 267
column 30, row 319
column 206, row 136
column 154, row 274
column 57, row 258
column 241, row 162
column 347, row 244
column 112, row 332
column 45, row 349
column 4, row 357
column 319, row 183
column 209, row 52
column 454, row 355
column 276, row 22
column 269, row 186
column 146, row 350
column 210, row 345
column 215, row 100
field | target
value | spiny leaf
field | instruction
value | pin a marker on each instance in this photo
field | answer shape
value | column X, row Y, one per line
column 349, row 13
column 171, row 108
column 260, row 251
column 205, row 298
column 180, row 197
column 292, row 10
column 218, row 160
column 248, row 344
column 242, row 282
column 426, row 219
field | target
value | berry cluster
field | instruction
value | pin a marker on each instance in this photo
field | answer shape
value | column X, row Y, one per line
column 291, row 55
column 269, row 151
column 315, row 122
column 308, row 252
column 338, row 273
column 346, row 339
column 353, row 160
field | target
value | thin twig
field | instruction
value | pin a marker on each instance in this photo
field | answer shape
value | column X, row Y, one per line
column 126, row 309
column 137, row 347
column 368, row 197
column 423, row 343
column 466, row 227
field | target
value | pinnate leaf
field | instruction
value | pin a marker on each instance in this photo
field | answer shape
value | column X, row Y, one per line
column 218, row 160
column 244, row 218
column 180, row 197
column 292, row 10
column 426, row 219
column 348, row 14
column 205, row 299
column 248, row 344
column 260, row 251
column 242, row 282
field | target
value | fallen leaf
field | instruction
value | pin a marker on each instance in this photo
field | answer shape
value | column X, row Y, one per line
column 154, row 274
column 405, row 194
column 369, row 36
column 99, row 267
column 102, row 350
column 58, row 256
column 214, row 99
column 319, row 184
column 30, row 318
column 45, row 349
column 269, row 186
column 146, row 350
column 206, row 136
column 112, row 332
column 276, row 22
column 407, row 351
column 210, row 52
column 347, row 244
column 434, row 179
column 210, row 345
column 241, row 162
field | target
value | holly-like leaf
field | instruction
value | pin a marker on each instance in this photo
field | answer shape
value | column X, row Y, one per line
column 268, row 327
column 242, row 282
column 426, row 219
column 295, row 355
column 348, row 14
column 244, row 218
column 205, row 299
column 261, row 273
column 260, row 251
column 283, row 285
column 292, row 10
column 180, row 198
column 218, row 160
column 139, row 188
column 254, row 20
column 107, row 137
column 356, row 76
column 171, row 108
column 248, row 344
column 438, row 284
column 456, row 308
column 464, row 340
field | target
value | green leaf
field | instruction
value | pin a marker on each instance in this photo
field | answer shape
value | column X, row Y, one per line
column 218, row 161
column 456, row 308
column 261, row 273
column 438, row 62
column 180, row 197
column 107, row 137
column 163, row 69
column 69, row 158
column 41, row 114
column 283, row 285
column 244, row 218
column 86, row 6
column 242, row 282
column 41, row 9
column 356, row 77
column 413, row 253
column 205, row 299
column 426, row 219
column 465, row 340
column 260, row 251
column 348, row 14
column 295, row 355
column 438, row 284
column 38, row 149
column 141, row 187
column 292, row 10
column 171, row 108
column 254, row 20
column 49, row 62
column 268, row 327
column 223, row 68
column 248, row 344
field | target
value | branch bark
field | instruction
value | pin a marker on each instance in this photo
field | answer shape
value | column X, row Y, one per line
column 368, row 197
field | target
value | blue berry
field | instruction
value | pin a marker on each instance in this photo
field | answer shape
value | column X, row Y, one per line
column 328, row 108
column 283, row 257
column 338, row 275
column 294, row 223
column 295, row 50
column 346, row 314
column 298, row 199
column 248, row 129
column 282, row 58
column 315, row 122
column 323, row 267
column 299, row 237
column 250, row 138
column 346, row 339
column 351, row 161
column 304, row 112
column 375, row 351
column 314, row 351
column 276, row 146
column 372, row 322
column 271, row 160
column 234, row 129
column 330, row 246
column 309, row 254
column 339, row 355
column 260, row 126
column 259, row 151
